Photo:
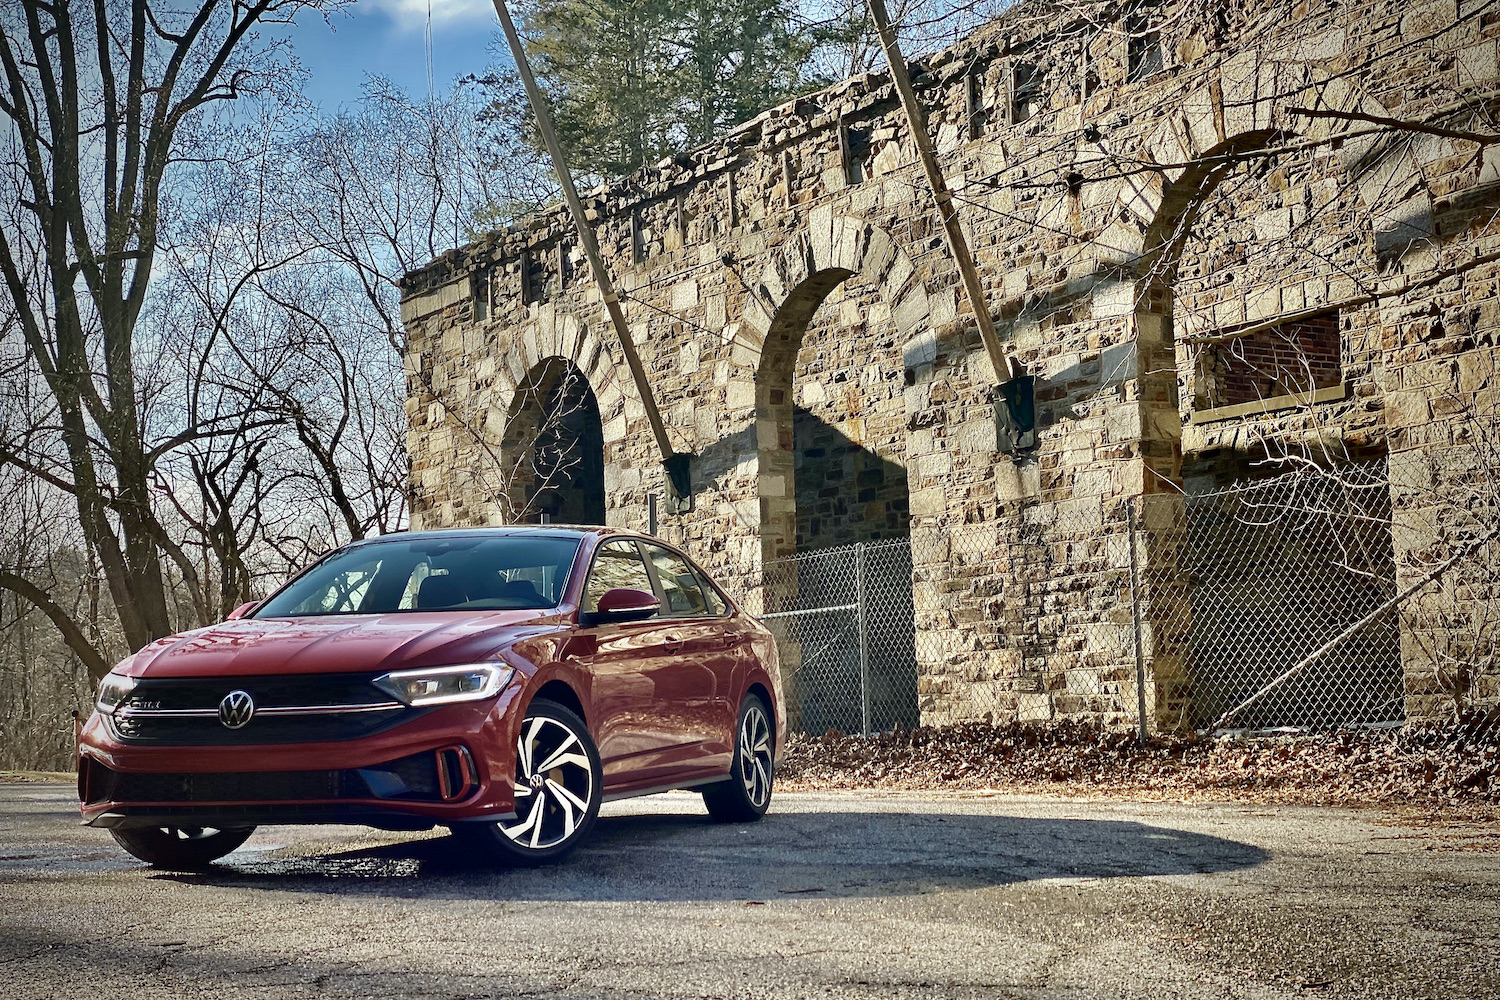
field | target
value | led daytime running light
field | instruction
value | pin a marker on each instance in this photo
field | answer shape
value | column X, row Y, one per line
column 113, row 690
column 445, row 685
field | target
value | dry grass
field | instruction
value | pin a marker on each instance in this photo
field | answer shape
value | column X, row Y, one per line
column 1426, row 770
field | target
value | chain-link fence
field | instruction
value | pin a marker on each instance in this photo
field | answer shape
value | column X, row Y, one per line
column 1275, row 603
column 1284, row 610
column 843, row 620
column 1031, row 622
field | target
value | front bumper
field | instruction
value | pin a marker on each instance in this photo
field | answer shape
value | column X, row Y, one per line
column 447, row 765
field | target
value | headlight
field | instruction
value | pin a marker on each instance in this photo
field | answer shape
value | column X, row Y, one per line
column 114, row 689
column 442, row 685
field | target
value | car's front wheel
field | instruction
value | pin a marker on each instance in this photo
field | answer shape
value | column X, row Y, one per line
column 181, row 847
column 746, row 795
column 559, row 784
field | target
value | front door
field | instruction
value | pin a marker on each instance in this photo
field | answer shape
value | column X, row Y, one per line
column 625, row 669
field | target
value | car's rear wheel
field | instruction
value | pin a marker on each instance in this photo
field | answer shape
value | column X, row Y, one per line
column 746, row 795
column 182, row 847
column 559, row 784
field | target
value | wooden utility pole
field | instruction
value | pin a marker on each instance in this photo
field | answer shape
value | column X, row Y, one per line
column 1006, row 367
column 677, row 465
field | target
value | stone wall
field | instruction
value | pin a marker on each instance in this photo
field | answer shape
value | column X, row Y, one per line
column 1135, row 202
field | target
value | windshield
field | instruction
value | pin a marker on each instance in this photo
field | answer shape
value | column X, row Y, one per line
column 463, row 573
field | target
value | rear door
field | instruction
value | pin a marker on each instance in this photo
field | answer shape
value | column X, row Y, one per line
column 696, row 684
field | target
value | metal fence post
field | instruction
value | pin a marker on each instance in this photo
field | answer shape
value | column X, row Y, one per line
column 864, row 642
column 1135, row 614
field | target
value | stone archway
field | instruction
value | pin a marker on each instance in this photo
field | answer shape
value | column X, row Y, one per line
column 824, row 485
column 785, row 298
column 1244, row 107
column 552, row 450
column 1232, row 119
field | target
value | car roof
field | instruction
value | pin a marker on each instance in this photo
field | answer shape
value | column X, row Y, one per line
column 505, row 530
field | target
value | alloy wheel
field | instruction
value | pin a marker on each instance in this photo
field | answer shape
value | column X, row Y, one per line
column 554, row 785
column 755, row 755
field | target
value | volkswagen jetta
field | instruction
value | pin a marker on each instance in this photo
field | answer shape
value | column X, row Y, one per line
column 502, row 681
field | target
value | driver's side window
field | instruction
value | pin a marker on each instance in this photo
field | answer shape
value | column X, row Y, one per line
column 616, row 564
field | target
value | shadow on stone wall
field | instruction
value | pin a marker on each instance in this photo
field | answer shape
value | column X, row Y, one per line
column 846, row 493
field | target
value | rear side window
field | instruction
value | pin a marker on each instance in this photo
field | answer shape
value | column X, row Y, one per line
column 716, row 604
column 683, row 595
column 616, row 564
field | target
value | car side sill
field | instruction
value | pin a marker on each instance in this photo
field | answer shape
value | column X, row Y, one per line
column 670, row 787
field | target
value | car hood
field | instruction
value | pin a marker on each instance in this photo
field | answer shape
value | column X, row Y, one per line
column 334, row 643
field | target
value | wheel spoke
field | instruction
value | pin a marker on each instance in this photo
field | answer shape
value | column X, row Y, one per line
column 533, row 819
column 566, row 794
column 521, row 790
column 576, row 759
column 536, row 831
column 551, row 761
column 566, row 802
column 523, row 748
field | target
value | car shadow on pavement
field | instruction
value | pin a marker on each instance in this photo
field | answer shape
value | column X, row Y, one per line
column 785, row 856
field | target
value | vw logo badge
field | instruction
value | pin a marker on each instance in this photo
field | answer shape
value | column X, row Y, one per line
column 237, row 709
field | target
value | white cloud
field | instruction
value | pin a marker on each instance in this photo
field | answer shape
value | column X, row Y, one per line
column 413, row 13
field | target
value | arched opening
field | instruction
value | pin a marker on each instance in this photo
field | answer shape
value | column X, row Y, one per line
column 1242, row 339
column 553, row 449
column 835, row 521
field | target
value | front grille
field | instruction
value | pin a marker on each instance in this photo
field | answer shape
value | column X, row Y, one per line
column 133, row 722
column 247, row 786
column 410, row 778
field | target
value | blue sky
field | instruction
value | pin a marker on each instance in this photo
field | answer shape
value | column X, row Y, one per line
column 387, row 37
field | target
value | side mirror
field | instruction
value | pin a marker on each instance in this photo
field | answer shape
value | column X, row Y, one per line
column 242, row 610
column 622, row 605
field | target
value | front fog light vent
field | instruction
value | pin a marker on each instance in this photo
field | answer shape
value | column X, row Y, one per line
column 455, row 768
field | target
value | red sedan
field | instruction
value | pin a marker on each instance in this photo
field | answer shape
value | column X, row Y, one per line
column 500, row 681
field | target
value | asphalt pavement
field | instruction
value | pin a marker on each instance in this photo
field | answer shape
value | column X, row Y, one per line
column 832, row 895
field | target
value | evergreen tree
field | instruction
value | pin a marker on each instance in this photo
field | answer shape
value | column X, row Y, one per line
column 736, row 59
column 634, row 81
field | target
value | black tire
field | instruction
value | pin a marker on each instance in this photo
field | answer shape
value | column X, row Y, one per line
column 180, row 848
column 568, row 794
column 746, row 795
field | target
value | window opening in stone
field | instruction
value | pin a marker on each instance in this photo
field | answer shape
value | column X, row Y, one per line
column 974, row 107
column 528, row 285
column 1143, row 51
column 480, row 293
column 1293, row 358
column 1025, row 91
column 681, row 212
column 854, row 145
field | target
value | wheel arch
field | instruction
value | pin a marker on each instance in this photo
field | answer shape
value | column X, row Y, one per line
column 764, row 694
column 560, row 692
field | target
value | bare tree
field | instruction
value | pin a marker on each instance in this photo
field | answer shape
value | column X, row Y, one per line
column 105, row 103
